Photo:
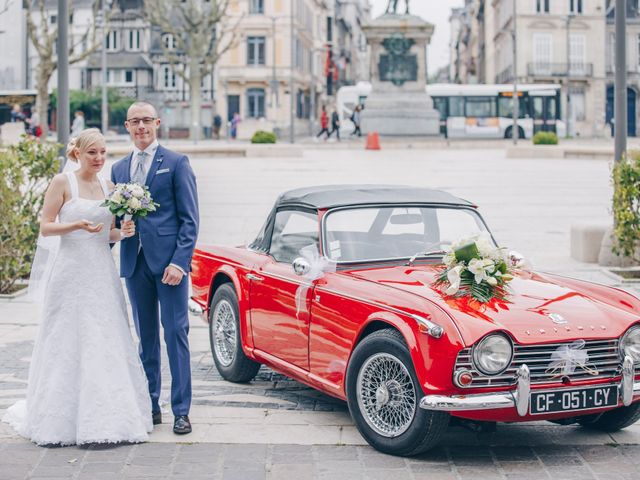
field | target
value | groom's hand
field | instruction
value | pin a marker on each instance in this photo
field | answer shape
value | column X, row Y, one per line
column 172, row 276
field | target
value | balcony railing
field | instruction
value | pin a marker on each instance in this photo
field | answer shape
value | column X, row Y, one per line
column 611, row 69
column 548, row 69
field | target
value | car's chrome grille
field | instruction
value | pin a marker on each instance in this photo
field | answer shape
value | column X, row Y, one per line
column 603, row 358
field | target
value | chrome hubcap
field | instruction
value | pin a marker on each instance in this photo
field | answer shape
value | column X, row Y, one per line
column 224, row 332
column 386, row 395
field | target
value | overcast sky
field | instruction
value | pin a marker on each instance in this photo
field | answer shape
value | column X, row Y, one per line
column 433, row 11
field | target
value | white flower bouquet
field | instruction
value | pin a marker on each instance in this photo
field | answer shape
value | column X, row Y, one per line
column 130, row 200
column 477, row 269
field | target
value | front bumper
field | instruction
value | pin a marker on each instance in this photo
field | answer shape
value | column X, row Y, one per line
column 519, row 398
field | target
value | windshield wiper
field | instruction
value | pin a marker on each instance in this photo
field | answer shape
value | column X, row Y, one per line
column 425, row 254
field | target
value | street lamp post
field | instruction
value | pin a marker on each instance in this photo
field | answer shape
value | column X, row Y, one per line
column 63, row 79
column 515, row 131
column 103, row 66
column 292, row 136
column 620, row 110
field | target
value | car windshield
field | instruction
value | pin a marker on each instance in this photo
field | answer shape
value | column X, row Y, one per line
column 375, row 233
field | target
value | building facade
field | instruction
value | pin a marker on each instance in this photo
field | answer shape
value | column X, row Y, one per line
column 289, row 56
column 557, row 41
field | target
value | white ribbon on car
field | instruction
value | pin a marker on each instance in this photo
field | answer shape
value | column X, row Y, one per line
column 319, row 266
column 567, row 358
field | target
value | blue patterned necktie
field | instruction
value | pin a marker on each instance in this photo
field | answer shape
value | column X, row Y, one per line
column 139, row 174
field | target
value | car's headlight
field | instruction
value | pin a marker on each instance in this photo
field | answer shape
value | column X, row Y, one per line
column 630, row 344
column 493, row 354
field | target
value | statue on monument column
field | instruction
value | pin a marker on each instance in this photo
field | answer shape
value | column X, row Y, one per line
column 394, row 9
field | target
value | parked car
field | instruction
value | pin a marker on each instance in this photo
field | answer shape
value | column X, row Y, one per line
column 336, row 291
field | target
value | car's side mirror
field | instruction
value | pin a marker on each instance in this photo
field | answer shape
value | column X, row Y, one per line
column 301, row 266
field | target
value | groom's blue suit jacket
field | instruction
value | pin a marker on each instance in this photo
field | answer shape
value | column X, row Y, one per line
column 169, row 234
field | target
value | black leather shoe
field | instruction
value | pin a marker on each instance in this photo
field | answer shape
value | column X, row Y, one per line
column 156, row 417
column 181, row 425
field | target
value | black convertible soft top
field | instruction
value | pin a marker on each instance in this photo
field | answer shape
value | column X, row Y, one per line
column 330, row 196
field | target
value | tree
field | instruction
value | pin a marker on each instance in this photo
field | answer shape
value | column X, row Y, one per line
column 200, row 36
column 4, row 6
column 44, row 37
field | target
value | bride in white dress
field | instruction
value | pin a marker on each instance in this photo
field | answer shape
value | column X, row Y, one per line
column 86, row 382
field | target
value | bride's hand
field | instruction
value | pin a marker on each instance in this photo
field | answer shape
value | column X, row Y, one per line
column 89, row 226
column 128, row 228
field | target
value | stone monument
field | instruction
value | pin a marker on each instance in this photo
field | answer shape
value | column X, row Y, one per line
column 398, row 104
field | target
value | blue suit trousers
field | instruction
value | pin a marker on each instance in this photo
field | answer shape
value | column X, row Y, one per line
column 147, row 293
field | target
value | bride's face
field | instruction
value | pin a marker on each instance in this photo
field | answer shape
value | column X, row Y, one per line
column 93, row 158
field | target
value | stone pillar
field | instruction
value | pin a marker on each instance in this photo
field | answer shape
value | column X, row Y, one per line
column 398, row 104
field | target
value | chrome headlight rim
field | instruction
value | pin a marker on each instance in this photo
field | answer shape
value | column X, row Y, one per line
column 633, row 330
column 476, row 349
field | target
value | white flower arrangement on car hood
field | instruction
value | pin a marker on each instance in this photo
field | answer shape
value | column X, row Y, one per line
column 475, row 268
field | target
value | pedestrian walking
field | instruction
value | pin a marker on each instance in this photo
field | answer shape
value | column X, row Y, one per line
column 235, row 121
column 16, row 114
column 217, row 125
column 78, row 123
column 324, row 123
column 335, row 125
column 355, row 118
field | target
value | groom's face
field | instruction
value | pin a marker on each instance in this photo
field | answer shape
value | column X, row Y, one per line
column 142, row 124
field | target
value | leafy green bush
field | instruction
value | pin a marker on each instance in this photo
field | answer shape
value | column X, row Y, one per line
column 263, row 137
column 545, row 138
column 626, row 205
column 25, row 171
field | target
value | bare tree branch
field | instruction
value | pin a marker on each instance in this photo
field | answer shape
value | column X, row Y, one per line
column 4, row 7
column 43, row 37
column 200, row 37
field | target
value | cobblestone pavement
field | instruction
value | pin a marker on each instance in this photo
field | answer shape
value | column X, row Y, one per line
column 547, row 196
column 253, row 462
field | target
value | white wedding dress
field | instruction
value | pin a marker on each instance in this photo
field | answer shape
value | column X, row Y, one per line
column 86, row 381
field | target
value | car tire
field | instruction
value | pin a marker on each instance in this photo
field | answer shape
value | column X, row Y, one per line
column 372, row 402
column 225, row 340
column 613, row 420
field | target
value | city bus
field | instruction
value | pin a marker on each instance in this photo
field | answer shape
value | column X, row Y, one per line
column 477, row 111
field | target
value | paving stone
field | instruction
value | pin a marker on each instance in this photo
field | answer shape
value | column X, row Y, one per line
column 513, row 454
column 14, row 472
column 293, row 471
column 244, row 474
column 557, row 460
column 101, row 467
column 55, row 472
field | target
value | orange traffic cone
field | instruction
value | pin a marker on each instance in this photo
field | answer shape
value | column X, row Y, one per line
column 373, row 141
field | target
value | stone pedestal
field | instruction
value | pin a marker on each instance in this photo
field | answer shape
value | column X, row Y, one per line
column 398, row 104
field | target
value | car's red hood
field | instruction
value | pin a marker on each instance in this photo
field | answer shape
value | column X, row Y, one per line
column 525, row 315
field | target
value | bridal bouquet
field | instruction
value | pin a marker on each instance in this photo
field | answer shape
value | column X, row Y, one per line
column 130, row 200
column 475, row 268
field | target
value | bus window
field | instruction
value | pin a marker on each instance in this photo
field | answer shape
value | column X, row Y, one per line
column 440, row 104
column 505, row 107
column 480, row 106
column 456, row 107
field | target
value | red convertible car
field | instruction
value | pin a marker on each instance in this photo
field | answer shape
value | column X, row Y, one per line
column 337, row 292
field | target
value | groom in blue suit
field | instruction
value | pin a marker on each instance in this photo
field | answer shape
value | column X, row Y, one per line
column 156, row 261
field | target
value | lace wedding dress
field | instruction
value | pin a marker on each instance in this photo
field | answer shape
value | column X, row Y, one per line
column 86, row 382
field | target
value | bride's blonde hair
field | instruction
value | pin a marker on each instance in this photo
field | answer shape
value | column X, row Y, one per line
column 84, row 140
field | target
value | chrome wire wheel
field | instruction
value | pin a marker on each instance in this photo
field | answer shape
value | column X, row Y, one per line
column 224, row 332
column 386, row 395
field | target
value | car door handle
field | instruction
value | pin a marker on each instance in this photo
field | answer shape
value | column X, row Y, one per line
column 255, row 278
